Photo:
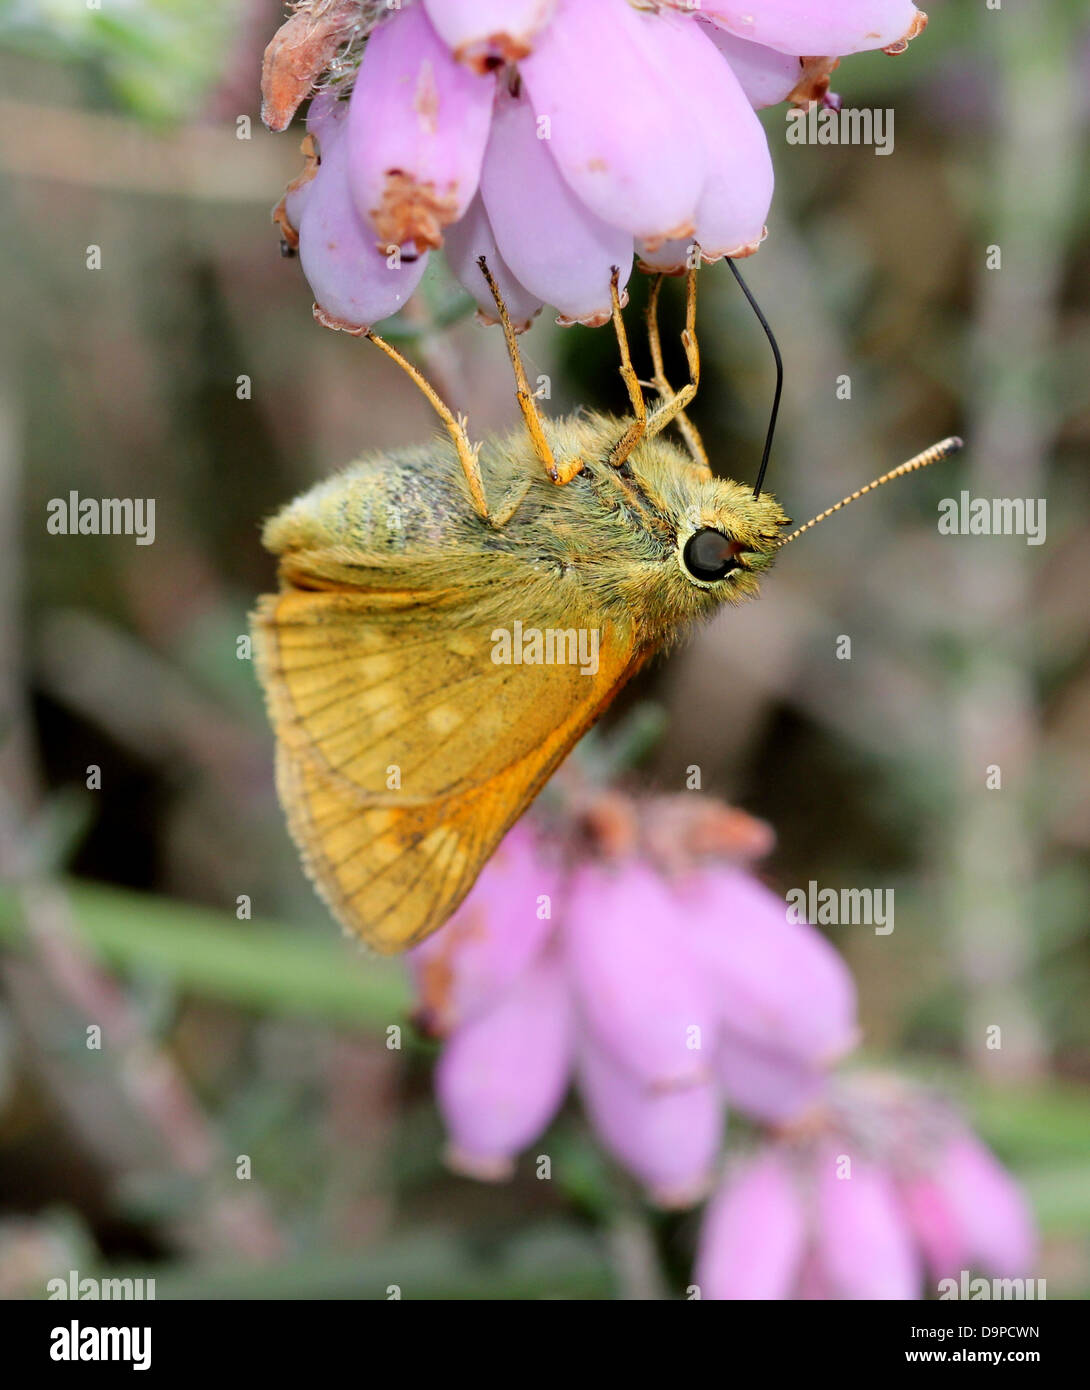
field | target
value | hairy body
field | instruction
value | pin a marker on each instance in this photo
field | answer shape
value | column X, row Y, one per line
column 405, row 751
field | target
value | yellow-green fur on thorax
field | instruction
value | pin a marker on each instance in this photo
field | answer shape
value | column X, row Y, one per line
column 604, row 547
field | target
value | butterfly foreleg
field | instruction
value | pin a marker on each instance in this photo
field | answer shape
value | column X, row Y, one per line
column 638, row 428
column 510, row 504
column 455, row 426
column 535, row 428
column 688, row 430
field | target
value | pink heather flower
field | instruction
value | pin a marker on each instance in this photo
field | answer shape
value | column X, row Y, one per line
column 485, row 34
column 967, row 1212
column 503, row 1075
column 640, row 990
column 892, row 1186
column 817, row 26
column 466, row 242
column 754, row 1233
column 669, row 1139
column 497, row 932
column 785, row 988
column 354, row 284
column 626, row 968
column 643, row 175
column 590, row 128
column 864, row 1244
column 417, row 127
column 556, row 247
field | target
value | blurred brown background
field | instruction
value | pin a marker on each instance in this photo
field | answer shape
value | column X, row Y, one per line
column 264, row 1037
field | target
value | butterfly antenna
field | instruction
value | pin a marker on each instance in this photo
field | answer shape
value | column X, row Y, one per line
column 779, row 375
column 939, row 451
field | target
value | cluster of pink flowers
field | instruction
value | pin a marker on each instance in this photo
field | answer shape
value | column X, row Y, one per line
column 667, row 982
column 880, row 1192
column 554, row 137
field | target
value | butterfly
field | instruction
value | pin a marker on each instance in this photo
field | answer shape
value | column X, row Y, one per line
column 452, row 618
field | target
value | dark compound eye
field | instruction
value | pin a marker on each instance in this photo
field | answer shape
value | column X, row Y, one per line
column 710, row 555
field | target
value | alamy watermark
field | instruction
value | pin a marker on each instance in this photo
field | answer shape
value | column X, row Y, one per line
column 826, row 125
column 102, row 516
column 970, row 1288
column 90, row 1288
column 993, row 516
column 842, row 907
column 76, row 1343
column 550, row 646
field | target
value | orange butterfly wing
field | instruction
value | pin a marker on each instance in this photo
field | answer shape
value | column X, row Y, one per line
column 404, row 752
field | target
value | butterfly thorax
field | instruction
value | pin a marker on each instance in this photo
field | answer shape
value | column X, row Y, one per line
column 604, row 548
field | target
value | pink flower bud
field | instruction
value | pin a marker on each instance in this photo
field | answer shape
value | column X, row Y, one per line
column 936, row 1227
column 818, row 26
column 864, row 1247
column 618, row 135
column 468, row 240
column 500, row 928
column 668, row 1139
column 753, row 1236
column 503, row 1074
column 326, row 122
column 640, row 993
column 736, row 189
column 354, row 284
column 418, row 125
column 992, row 1216
column 485, row 33
column 780, row 984
column 766, row 76
column 550, row 241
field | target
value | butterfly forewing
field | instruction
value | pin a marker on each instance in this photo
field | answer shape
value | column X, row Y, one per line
column 405, row 752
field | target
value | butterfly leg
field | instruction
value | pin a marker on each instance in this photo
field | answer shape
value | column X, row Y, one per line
column 455, row 425
column 559, row 473
column 638, row 428
column 689, row 432
column 510, row 504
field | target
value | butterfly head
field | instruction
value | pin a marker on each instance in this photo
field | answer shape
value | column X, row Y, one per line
column 715, row 538
column 726, row 538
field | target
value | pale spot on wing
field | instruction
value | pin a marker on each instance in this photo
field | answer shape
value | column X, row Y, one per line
column 443, row 719
column 379, row 699
column 379, row 667
column 440, row 841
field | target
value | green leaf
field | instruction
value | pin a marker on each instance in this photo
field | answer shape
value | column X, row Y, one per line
column 258, row 965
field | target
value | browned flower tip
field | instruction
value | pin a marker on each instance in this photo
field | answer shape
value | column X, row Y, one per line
column 354, row 330
column 434, row 1015
column 486, row 55
column 490, row 322
column 919, row 24
column 814, row 82
column 595, row 320
column 469, row 1165
column 682, row 232
column 299, row 52
column 412, row 211
column 736, row 253
column 289, row 235
column 679, row 831
column 658, row 269
column 610, row 822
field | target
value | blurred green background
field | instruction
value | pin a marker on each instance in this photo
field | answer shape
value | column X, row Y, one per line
column 266, row 1037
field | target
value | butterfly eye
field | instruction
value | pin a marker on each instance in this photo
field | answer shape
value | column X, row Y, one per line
column 710, row 555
